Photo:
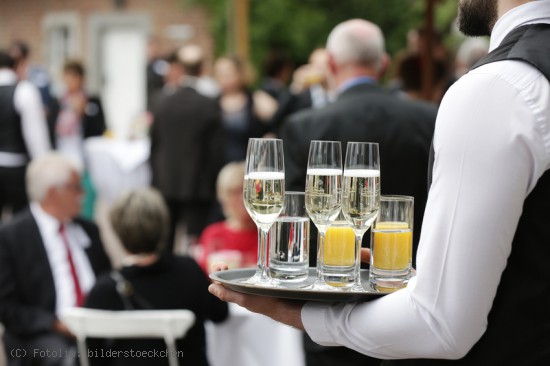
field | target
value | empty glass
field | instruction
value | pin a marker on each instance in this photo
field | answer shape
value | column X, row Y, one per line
column 289, row 241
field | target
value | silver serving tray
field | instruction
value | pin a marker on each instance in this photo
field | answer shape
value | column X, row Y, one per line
column 233, row 279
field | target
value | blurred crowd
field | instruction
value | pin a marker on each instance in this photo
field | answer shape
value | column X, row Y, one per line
column 200, row 117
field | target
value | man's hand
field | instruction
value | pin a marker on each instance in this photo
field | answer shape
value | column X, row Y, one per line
column 60, row 327
column 284, row 311
column 365, row 255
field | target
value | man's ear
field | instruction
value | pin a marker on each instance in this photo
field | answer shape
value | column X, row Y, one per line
column 384, row 66
column 332, row 65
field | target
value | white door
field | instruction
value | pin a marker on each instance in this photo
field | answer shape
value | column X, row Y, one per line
column 122, row 70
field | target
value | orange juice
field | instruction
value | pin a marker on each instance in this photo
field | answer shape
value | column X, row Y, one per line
column 339, row 246
column 392, row 249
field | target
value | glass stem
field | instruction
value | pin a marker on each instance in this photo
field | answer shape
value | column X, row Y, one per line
column 358, row 242
column 262, row 253
column 320, row 255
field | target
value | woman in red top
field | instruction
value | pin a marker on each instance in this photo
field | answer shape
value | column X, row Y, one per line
column 237, row 233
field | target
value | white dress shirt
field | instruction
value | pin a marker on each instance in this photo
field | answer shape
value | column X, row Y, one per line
column 492, row 143
column 48, row 226
column 28, row 104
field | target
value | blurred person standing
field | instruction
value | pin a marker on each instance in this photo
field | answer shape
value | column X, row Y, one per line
column 156, row 68
column 23, row 133
column 26, row 70
column 245, row 113
column 237, row 232
column 192, row 56
column 49, row 260
column 310, row 82
column 140, row 219
column 409, row 73
column 187, row 146
column 470, row 51
column 75, row 117
column 277, row 70
column 309, row 88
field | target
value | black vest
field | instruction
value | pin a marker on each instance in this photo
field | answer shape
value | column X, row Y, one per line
column 518, row 330
column 11, row 136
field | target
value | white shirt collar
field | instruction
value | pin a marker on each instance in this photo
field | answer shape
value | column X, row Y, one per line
column 529, row 13
column 49, row 225
column 7, row 77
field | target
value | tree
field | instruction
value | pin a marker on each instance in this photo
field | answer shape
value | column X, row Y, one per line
column 299, row 26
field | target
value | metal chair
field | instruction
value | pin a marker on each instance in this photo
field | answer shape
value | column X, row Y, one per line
column 167, row 324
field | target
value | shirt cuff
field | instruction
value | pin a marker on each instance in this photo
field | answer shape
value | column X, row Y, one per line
column 313, row 318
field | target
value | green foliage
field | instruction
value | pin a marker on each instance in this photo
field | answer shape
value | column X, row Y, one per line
column 299, row 26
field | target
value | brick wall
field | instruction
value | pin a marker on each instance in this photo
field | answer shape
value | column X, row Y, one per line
column 22, row 19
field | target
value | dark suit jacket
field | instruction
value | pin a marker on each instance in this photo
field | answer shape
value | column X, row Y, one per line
column 27, row 291
column 291, row 103
column 186, row 146
column 403, row 129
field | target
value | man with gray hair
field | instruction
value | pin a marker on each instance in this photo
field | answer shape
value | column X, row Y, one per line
column 49, row 261
column 364, row 112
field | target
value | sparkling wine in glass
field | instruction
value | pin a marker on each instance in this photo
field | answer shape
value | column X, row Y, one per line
column 263, row 193
column 361, row 195
column 323, row 193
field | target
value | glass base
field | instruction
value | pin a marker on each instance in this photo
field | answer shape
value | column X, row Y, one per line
column 389, row 280
column 319, row 285
column 288, row 272
column 341, row 277
column 260, row 279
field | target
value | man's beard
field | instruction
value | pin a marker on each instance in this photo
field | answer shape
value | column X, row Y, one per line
column 477, row 17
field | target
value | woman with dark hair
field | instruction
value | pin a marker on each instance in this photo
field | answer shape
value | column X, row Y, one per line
column 140, row 220
column 245, row 113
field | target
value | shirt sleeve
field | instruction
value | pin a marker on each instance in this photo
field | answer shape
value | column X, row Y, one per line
column 489, row 155
column 33, row 120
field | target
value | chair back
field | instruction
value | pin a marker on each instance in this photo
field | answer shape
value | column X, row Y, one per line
column 167, row 324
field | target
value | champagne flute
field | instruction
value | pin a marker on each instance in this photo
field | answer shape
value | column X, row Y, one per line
column 323, row 194
column 263, row 193
column 361, row 195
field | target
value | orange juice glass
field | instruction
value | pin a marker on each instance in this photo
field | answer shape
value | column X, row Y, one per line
column 339, row 254
column 391, row 243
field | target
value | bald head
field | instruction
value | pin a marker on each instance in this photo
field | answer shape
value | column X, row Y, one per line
column 191, row 56
column 357, row 41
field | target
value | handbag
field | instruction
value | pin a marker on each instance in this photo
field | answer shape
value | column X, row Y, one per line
column 130, row 298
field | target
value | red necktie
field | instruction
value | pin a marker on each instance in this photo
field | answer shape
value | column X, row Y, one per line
column 78, row 291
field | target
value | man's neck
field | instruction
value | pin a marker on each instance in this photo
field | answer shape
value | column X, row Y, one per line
column 505, row 6
column 346, row 75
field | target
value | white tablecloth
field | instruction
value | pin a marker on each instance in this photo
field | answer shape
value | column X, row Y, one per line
column 117, row 165
column 249, row 339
